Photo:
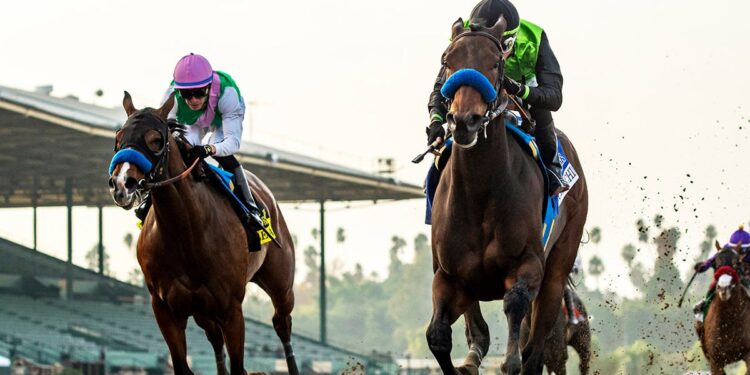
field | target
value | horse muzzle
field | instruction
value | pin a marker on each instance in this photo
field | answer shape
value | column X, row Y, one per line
column 724, row 287
column 465, row 128
column 124, row 189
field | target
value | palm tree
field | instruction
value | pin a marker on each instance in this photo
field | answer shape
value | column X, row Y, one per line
column 628, row 254
column 596, row 235
column 596, row 268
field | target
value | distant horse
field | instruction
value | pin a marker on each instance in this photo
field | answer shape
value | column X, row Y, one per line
column 724, row 334
column 487, row 224
column 564, row 334
column 193, row 250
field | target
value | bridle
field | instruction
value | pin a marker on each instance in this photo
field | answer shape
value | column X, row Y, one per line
column 157, row 176
column 501, row 102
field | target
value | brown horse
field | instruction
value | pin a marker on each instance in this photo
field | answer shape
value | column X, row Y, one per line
column 487, row 225
column 724, row 333
column 193, row 250
column 564, row 334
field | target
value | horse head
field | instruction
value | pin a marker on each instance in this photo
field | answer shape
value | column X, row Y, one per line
column 474, row 66
column 727, row 262
column 141, row 151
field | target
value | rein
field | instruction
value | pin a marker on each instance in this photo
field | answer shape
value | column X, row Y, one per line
column 143, row 185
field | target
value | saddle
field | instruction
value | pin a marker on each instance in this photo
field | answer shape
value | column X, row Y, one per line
column 224, row 181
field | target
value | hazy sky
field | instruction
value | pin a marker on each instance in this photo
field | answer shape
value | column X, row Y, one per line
column 654, row 98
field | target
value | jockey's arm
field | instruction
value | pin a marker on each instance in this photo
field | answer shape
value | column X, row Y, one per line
column 548, row 93
column 232, row 113
column 437, row 105
column 706, row 265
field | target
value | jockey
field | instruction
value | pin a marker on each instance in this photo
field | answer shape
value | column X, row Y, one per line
column 210, row 100
column 741, row 237
column 532, row 73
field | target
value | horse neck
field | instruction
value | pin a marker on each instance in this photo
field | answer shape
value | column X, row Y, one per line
column 490, row 159
column 178, row 206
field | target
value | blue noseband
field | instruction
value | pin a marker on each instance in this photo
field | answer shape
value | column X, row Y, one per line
column 469, row 77
column 131, row 156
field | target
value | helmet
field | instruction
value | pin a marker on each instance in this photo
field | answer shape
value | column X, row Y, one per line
column 192, row 71
column 487, row 12
column 740, row 236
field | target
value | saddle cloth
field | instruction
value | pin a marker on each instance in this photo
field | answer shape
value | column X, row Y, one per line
column 224, row 180
column 551, row 205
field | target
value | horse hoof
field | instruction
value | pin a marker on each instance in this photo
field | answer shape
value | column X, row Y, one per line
column 468, row 370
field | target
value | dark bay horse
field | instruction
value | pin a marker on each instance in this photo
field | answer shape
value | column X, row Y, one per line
column 193, row 250
column 724, row 333
column 487, row 224
column 564, row 334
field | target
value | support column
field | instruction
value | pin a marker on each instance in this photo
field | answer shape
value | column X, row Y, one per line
column 323, row 335
column 34, row 202
column 101, row 242
column 69, row 265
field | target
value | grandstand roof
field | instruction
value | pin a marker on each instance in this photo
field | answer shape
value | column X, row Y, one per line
column 48, row 139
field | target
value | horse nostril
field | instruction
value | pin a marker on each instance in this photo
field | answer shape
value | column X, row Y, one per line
column 131, row 183
column 475, row 118
column 111, row 182
column 451, row 118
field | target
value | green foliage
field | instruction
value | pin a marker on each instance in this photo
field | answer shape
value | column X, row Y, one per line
column 628, row 254
column 92, row 260
column 596, row 235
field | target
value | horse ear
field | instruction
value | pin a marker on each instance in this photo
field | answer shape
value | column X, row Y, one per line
column 166, row 107
column 127, row 103
column 738, row 248
column 457, row 28
column 499, row 28
column 718, row 247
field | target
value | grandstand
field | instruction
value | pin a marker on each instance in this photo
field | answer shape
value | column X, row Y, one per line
column 52, row 312
column 110, row 324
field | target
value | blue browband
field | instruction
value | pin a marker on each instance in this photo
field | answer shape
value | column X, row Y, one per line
column 469, row 77
column 131, row 156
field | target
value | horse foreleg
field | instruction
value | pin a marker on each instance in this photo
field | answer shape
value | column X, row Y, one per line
column 516, row 304
column 233, row 327
column 545, row 310
column 448, row 303
column 477, row 337
column 173, row 330
column 216, row 338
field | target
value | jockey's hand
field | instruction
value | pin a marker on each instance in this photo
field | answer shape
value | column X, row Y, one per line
column 201, row 152
column 435, row 131
column 512, row 87
column 698, row 267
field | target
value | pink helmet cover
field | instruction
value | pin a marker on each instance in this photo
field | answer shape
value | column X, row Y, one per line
column 192, row 71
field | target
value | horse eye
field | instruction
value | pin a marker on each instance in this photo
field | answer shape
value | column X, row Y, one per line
column 156, row 144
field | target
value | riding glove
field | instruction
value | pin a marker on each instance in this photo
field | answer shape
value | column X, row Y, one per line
column 435, row 131
column 201, row 152
column 514, row 88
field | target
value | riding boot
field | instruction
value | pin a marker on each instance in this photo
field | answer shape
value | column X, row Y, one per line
column 570, row 305
column 254, row 214
column 142, row 210
column 547, row 140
